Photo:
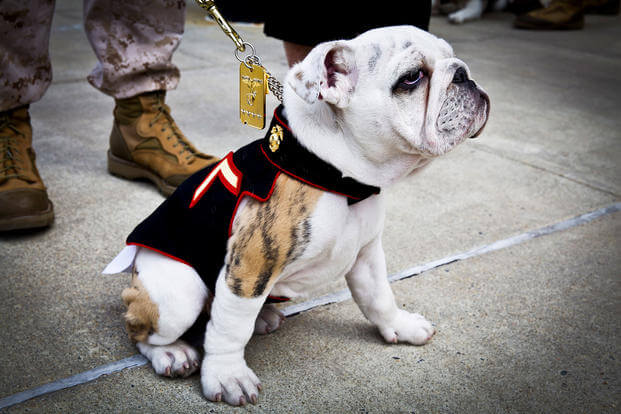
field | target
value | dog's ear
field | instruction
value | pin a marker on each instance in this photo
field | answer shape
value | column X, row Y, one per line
column 328, row 72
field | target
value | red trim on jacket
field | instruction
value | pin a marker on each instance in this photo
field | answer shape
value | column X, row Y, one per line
column 303, row 180
column 218, row 173
column 170, row 256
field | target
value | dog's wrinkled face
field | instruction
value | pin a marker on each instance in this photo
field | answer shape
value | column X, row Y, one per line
column 395, row 90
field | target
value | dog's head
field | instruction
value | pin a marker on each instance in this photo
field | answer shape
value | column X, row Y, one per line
column 389, row 92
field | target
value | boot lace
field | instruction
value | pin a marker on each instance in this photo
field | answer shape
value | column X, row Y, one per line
column 11, row 159
column 163, row 112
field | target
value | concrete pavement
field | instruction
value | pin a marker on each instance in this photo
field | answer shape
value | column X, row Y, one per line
column 534, row 327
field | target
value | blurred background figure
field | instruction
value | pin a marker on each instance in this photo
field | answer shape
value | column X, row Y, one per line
column 563, row 14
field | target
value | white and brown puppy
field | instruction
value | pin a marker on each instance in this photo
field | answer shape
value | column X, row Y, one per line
column 378, row 108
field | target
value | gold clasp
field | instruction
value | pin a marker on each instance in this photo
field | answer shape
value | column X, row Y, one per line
column 210, row 6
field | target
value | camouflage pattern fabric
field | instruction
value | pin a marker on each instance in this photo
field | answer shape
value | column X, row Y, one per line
column 133, row 41
column 25, row 68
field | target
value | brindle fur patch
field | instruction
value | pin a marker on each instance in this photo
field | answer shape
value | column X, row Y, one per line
column 268, row 236
column 142, row 314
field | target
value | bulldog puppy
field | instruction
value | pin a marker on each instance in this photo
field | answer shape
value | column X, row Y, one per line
column 368, row 113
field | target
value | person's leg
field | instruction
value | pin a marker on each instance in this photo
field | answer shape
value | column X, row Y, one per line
column 25, row 68
column 25, row 74
column 295, row 52
column 134, row 43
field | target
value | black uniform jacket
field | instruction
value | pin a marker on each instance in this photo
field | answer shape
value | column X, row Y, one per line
column 194, row 223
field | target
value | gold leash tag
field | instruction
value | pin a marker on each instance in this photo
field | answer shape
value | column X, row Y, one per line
column 252, row 91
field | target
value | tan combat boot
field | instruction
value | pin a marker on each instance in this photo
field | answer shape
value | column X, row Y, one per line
column 23, row 198
column 559, row 15
column 145, row 142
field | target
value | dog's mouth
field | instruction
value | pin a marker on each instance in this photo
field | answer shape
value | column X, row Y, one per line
column 482, row 114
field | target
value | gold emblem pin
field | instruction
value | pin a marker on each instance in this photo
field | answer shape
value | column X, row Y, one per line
column 275, row 138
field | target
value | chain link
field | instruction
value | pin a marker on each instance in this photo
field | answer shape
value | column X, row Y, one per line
column 274, row 85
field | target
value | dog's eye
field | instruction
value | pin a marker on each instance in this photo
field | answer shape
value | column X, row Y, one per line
column 410, row 80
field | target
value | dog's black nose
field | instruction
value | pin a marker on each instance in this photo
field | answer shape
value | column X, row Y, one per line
column 460, row 75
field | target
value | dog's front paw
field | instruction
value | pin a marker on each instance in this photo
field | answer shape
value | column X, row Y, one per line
column 269, row 320
column 408, row 327
column 228, row 378
column 175, row 360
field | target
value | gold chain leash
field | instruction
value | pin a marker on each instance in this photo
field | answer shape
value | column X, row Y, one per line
column 254, row 79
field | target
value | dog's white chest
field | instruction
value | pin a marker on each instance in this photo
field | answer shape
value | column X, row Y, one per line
column 339, row 232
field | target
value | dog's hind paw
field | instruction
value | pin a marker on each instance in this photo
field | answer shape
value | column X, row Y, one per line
column 175, row 360
column 408, row 327
column 269, row 320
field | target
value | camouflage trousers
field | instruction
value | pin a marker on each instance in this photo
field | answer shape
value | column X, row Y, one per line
column 133, row 41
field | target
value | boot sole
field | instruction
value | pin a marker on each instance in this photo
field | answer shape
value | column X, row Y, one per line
column 33, row 221
column 132, row 171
